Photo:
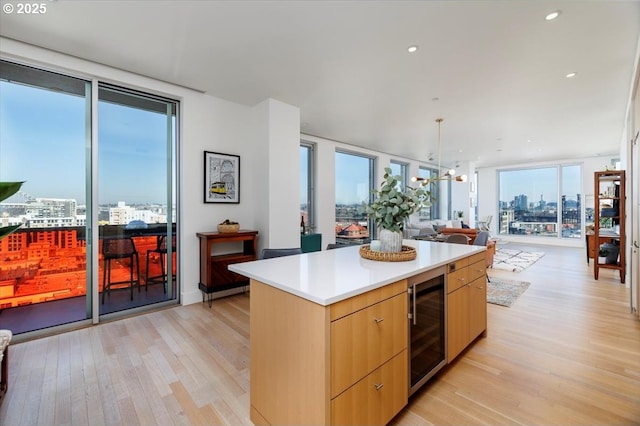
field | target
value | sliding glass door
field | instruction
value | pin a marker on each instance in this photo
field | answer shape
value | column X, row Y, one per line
column 44, row 134
column 120, row 183
column 136, row 199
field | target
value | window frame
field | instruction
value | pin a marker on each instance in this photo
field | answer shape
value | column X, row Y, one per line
column 372, row 182
column 560, row 179
column 311, row 183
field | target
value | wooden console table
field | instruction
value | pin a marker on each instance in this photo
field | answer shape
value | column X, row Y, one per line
column 214, row 275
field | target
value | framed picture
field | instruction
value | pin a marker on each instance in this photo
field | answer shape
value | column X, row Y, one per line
column 221, row 178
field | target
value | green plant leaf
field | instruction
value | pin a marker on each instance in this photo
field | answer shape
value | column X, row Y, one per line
column 7, row 189
column 6, row 230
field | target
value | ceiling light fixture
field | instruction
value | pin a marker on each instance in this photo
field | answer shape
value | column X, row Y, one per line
column 412, row 49
column 448, row 174
column 553, row 15
column 571, row 74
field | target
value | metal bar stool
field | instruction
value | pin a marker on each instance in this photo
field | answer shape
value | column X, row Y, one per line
column 117, row 249
column 162, row 251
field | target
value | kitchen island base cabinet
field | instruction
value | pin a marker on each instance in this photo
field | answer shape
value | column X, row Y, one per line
column 466, row 303
column 297, row 346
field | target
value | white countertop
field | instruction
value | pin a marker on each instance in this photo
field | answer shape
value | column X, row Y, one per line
column 329, row 276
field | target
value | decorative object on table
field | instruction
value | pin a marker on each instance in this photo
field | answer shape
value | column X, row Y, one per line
column 391, row 207
column 514, row 260
column 228, row 226
column 406, row 253
column 504, row 292
column 7, row 189
column 375, row 245
column 221, row 178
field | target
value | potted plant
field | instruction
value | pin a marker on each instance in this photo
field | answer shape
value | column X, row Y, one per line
column 392, row 206
column 7, row 189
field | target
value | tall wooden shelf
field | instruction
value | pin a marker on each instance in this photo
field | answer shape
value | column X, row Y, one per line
column 609, row 218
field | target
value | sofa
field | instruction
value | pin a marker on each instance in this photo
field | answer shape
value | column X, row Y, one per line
column 415, row 228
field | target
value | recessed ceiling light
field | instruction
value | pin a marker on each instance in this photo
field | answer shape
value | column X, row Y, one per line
column 552, row 15
column 412, row 49
column 571, row 74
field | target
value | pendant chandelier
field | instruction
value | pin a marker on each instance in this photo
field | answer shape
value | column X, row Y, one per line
column 449, row 174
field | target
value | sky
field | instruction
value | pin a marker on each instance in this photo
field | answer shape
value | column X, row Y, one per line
column 42, row 142
column 538, row 182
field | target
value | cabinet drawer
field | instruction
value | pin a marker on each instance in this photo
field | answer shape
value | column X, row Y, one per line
column 377, row 398
column 364, row 340
column 477, row 257
column 355, row 303
column 457, row 279
column 477, row 270
column 458, row 265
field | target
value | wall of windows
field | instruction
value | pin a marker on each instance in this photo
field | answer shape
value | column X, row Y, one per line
column 354, row 179
column 542, row 201
column 50, row 140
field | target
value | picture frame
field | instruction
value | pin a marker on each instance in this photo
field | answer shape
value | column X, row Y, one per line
column 221, row 178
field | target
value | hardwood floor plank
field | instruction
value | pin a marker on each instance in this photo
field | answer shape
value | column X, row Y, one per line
column 566, row 352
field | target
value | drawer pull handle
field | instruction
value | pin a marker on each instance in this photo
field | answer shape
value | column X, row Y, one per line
column 378, row 320
column 462, row 279
column 379, row 386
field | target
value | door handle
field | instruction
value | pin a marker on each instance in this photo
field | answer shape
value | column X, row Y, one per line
column 635, row 244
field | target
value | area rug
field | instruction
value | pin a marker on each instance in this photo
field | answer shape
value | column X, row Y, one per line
column 504, row 292
column 514, row 260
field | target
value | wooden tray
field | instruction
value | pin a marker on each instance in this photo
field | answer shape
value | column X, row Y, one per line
column 407, row 253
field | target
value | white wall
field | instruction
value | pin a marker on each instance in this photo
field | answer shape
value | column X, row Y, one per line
column 488, row 195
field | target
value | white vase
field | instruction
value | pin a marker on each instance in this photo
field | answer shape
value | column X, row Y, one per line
column 390, row 241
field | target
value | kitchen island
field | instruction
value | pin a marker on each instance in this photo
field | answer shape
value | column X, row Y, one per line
column 329, row 332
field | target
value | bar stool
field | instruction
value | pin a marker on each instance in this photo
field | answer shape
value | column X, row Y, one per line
column 116, row 249
column 162, row 251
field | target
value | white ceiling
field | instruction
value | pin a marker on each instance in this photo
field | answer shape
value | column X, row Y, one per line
column 494, row 70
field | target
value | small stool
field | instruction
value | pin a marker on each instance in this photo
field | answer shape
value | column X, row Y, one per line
column 114, row 249
column 162, row 251
column 5, row 339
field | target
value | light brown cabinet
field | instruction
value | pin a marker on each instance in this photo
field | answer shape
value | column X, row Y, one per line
column 340, row 364
column 348, row 363
column 466, row 303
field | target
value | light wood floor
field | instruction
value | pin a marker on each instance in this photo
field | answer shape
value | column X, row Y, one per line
column 567, row 352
